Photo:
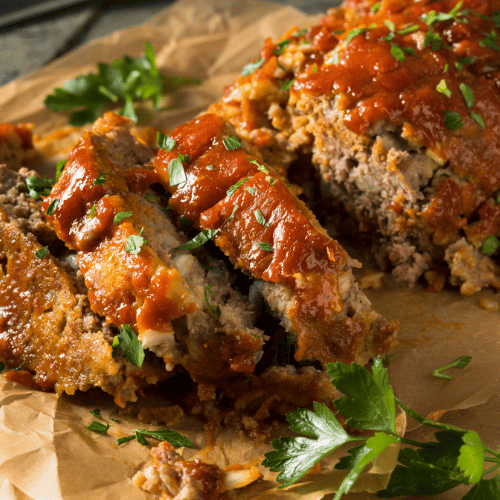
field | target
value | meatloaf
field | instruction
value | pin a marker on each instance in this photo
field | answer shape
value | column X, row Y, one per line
column 397, row 105
column 46, row 324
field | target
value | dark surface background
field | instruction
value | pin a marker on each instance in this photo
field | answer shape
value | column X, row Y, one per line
column 34, row 32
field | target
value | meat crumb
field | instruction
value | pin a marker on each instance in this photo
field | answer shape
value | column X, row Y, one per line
column 373, row 280
column 489, row 304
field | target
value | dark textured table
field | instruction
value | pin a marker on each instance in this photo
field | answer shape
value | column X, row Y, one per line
column 35, row 32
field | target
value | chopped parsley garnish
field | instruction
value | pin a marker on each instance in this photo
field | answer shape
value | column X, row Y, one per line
column 300, row 32
column 216, row 312
column 468, row 60
column 446, row 67
column 498, row 197
column 355, row 32
column 456, row 457
column 453, row 120
column 409, row 28
column 260, row 218
column 20, row 367
column 199, row 240
column 432, row 39
column 251, row 67
column 210, row 167
column 130, row 345
column 165, row 142
column 42, row 252
column 286, row 86
column 135, row 242
column 460, row 362
column 390, row 25
column 231, row 217
column 96, row 413
column 467, row 94
column 264, row 246
column 96, row 426
column 280, row 48
column 375, row 8
column 125, row 80
column 174, row 438
column 100, row 179
column 121, row 216
column 490, row 40
column 38, row 186
column 259, row 166
column 490, row 245
column 59, row 168
column 92, row 210
column 176, row 172
column 152, row 198
column 271, row 181
column 432, row 17
column 443, row 88
column 232, row 143
column 234, row 187
column 114, row 346
column 397, row 52
column 250, row 189
column 185, row 158
column 52, row 207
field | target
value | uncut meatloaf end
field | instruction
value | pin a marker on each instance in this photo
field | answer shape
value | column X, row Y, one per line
column 404, row 132
column 46, row 322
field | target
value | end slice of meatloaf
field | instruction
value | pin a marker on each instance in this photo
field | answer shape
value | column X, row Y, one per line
column 256, row 220
column 398, row 108
column 135, row 273
column 45, row 319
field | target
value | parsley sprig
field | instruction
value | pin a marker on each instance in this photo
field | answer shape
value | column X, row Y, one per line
column 121, row 82
column 456, row 456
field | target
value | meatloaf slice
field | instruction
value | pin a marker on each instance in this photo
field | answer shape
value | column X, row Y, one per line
column 256, row 220
column 136, row 274
column 45, row 319
column 397, row 104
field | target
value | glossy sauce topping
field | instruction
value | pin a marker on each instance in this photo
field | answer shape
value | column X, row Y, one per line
column 126, row 287
column 396, row 80
column 264, row 229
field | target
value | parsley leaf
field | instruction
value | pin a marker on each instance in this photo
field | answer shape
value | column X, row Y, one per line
column 165, row 142
column 251, row 67
column 443, row 88
column 125, row 80
column 286, row 86
column 121, row 216
column 174, row 438
column 460, row 362
column 397, row 52
column 199, row 240
column 453, row 119
column 370, row 403
column 100, row 179
column 42, row 252
column 259, row 166
column 232, row 143
column 231, row 217
column 59, row 168
column 96, row 426
column 52, row 207
column 280, row 48
column 176, row 172
column 490, row 245
column 467, row 94
column 234, row 187
column 38, row 186
column 294, row 456
column 260, row 218
column 216, row 312
column 134, row 243
column 264, row 246
column 478, row 118
column 92, row 211
column 96, row 413
column 130, row 345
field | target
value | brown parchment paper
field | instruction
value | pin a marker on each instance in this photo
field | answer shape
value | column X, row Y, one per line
column 45, row 452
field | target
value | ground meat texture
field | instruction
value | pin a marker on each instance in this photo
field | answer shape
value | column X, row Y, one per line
column 400, row 115
column 46, row 323
column 265, row 230
column 188, row 315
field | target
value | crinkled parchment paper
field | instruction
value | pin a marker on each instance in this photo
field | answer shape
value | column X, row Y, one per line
column 45, row 452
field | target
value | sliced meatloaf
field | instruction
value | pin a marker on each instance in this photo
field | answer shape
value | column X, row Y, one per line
column 181, row 305
column 46, row 324
column 255, row 219
column 397, row 105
